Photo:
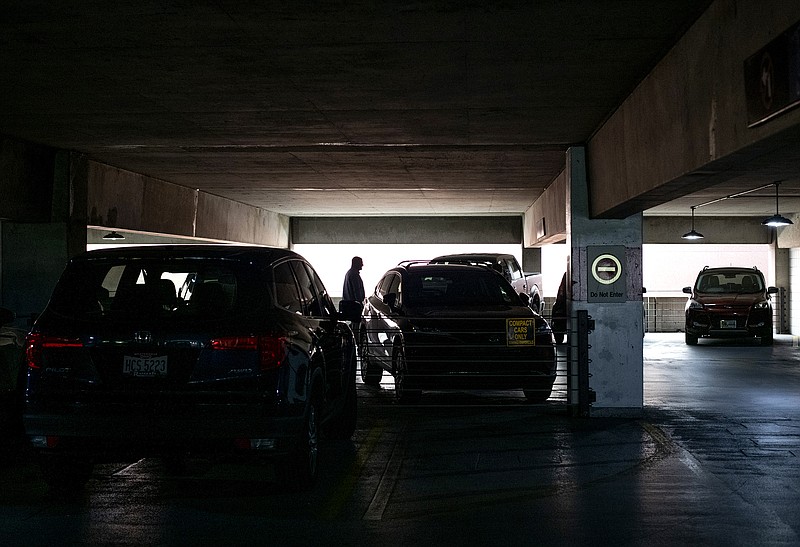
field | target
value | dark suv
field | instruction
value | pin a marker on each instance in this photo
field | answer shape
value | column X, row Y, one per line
column 729, row 302
column 188, row 349
column 454, row 327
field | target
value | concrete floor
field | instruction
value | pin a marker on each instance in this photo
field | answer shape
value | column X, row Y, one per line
column 713, row 460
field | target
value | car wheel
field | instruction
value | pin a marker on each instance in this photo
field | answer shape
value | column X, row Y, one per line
column 65, row 475
column 370, row 372
column 537, row 395
column 402, row 394
column 767, row 340
column 176, row 463
column 344, row 424
column 299, row 468
column 691, row 340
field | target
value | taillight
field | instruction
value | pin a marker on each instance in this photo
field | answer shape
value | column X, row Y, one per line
column 36, row 342
column 271, row 349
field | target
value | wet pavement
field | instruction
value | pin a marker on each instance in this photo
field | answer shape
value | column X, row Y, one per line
column 713, row 459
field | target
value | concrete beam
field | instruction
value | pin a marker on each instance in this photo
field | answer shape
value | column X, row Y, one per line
column 394, row 230
column 126, row 200
column 546, row 220
column 685, row 127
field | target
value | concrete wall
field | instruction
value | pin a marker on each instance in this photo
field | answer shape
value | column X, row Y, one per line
column 685, row 127
column 33, row 257
column 126, row 200
column 43, row 213
column 26, row 180
column 397, row 230
column 794, row 296
column 548, row 212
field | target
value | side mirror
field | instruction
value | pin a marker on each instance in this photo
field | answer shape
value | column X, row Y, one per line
column 772, row 290
column 350, row 310
column 687, row 290
column 7, row 316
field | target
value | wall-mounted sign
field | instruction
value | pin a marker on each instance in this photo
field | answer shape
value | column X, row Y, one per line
column 606, row 276
column 772, row 77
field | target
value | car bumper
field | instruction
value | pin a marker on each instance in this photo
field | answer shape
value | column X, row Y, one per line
column 475, row 369
column 723, row 326
column 124, row 429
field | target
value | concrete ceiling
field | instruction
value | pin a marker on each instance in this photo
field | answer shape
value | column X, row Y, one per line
column 334, row 108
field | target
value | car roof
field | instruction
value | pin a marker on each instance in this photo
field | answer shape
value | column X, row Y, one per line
column 241, row 252
column 472, row 256
column 752, row 269
column 423, row 268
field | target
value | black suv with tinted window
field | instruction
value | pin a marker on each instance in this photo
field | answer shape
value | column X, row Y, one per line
column 454, row 327
column 190, row 349
column 729, row 302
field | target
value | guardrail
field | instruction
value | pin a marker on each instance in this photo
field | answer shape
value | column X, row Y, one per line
column 667, row 314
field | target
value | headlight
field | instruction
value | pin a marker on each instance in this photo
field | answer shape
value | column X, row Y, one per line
column 761, row 305
column 694, row 305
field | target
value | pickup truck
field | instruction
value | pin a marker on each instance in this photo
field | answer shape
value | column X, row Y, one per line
column 529, row 284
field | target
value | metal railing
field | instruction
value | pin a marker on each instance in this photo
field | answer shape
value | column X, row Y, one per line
column 667, row 314
column 462, row 370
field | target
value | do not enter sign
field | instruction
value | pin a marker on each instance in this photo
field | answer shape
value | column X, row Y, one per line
column 606, row 269
column 606, row 279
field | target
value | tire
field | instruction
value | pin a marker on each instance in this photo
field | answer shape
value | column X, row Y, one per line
column 402, row 394
column 691, row 340
column 537, row 395
column 298, row 470
column 65, row 475
column 176, row 464
column 767, row 340
column 370, row 372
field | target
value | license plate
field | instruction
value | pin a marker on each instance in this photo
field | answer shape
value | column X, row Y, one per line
column 727, row 324
column 145, row 367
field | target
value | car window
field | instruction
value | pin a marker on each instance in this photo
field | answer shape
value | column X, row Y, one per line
column 161, row 289
column 452, row 288
column 512, row 267
column 729, row 281
column 315, row 298
column 287, row 296
column 327, row 308
column 394, row 287
column 383, row 286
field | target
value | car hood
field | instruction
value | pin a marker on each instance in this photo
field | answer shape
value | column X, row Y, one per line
column 736, row 300
column 470, row 311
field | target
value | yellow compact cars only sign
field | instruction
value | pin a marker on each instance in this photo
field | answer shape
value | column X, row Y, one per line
column 521, row 332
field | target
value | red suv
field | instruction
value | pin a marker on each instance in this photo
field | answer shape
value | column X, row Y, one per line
column 729, row 302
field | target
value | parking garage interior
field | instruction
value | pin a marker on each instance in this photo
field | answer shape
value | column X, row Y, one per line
column 534, row 126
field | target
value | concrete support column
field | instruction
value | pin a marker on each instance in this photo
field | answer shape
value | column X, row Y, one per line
column 606, row 272
column 532, row 259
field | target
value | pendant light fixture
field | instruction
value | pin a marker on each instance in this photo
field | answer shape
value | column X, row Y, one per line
column 113, row 236
column 777, row 219
column 692, row 234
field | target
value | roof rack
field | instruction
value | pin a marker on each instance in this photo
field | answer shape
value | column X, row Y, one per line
column 412, row 262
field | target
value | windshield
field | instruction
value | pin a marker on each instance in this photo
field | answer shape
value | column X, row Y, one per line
column 730, row 281
column 458, row 287
column 156, row 289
